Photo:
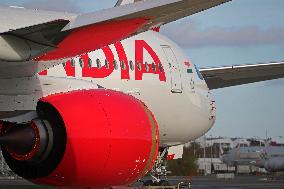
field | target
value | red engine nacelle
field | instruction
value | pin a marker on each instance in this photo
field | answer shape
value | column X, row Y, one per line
column 94, row 138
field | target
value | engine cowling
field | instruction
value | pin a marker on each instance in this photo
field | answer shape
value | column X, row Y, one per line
column 88, row 138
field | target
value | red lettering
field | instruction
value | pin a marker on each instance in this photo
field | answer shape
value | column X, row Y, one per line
column 140, row 67
column 98, row 72
column 44, row 72
column 105, row 67
column 123, row 60
column 69, row 68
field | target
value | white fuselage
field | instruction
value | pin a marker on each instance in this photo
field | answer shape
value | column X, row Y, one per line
column 148, row 66
column 181, row 103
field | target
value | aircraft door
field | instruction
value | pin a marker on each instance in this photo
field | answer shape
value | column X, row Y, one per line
column 176, row 84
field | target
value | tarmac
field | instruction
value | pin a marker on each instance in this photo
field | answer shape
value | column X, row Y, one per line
column 208, row 182
column 239, row 182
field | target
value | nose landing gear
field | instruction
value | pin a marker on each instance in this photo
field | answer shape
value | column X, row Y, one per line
column 159, row 170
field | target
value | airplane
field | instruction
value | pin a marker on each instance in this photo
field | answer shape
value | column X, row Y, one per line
column 269, row 157
column 95, row 100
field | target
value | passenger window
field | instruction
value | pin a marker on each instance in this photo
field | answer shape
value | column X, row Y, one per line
column 154, row 67
column 146, row 67
column 106, row 64
column 90, row 62
column 99, row 65
column 72, row 62
column 139, row 66
column 123, row 65
column 131, row 65
column 161, row 67
column 115, row 65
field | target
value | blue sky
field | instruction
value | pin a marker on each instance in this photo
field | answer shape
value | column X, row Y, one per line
column 238, row 32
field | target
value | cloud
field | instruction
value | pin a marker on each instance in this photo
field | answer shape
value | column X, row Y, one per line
column 190, row 35
column 53, row 5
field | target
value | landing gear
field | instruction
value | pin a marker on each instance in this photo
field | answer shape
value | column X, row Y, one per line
column 159, row 170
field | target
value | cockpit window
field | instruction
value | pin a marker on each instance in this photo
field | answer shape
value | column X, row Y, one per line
column 198, row 73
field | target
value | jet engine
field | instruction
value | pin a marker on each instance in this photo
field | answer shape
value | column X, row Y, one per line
column 87, row 138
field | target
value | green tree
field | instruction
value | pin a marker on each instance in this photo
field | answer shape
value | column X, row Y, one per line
column 186, row 166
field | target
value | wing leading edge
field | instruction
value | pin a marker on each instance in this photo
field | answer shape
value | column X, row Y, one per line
column 220, row 77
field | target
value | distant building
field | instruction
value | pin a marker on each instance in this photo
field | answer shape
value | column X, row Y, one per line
column 208, row 166
column 209, row 151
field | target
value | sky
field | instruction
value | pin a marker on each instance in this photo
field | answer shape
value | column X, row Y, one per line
column 238, row 32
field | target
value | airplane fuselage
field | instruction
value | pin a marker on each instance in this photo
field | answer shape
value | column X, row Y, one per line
column 155, row 70
column 271, row 157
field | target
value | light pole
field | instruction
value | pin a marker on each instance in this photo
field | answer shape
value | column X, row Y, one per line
column 204, row 146
column 281, row 141
column 194, row 148
column 211, row 154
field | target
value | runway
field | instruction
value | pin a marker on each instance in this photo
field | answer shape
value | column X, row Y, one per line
column 209, row 182
column 239, row 182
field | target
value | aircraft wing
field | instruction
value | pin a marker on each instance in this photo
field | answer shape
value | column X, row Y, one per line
column 56, row 31
column 157, row 12
column 220, row 77
column 15, row 18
